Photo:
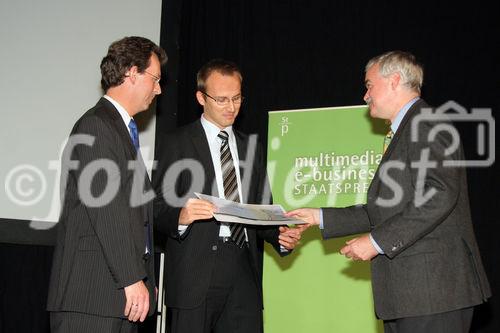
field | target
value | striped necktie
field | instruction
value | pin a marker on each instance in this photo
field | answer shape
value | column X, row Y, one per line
column 387, row 139
column 230, row 186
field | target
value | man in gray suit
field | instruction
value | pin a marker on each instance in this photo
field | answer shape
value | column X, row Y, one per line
column 426, row 269
column 102, row 275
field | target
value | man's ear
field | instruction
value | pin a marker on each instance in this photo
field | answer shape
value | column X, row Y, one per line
column 132, row 74
column 201, row 98
column 395, row 80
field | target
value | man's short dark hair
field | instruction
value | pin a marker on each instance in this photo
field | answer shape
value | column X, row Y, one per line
column 124, row 54
column 225, row 67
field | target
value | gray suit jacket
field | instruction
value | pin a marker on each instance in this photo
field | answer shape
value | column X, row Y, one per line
column 431, row 262
column 100, row 248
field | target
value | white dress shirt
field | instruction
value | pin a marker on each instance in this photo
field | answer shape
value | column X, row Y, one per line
column 214, row 143
column 121, row 110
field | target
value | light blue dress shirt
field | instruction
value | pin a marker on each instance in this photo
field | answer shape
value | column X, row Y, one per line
column 394, row 127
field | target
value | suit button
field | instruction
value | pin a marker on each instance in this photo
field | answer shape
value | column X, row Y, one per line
column 397, row 245
column 214, row 248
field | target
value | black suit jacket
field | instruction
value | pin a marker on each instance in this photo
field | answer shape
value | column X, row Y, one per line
column 100, row 248
column 190, row 257
column 431, row 262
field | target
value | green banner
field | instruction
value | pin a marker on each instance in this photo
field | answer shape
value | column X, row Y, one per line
column 320, row 158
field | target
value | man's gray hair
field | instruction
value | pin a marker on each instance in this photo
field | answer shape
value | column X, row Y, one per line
column 403, row 63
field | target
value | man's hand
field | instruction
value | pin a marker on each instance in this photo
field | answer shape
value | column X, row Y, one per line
column 196, row 209
column 359, row 249
column 137, row 305
column 309, row 215
column 289, row 237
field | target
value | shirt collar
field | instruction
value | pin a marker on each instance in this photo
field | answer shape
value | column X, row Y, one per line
column 212, row 130
column 121, row 110
column 397, row 121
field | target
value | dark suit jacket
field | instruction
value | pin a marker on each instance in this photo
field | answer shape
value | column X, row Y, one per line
column 100, row 248
column 431, row 262
column 190, row 257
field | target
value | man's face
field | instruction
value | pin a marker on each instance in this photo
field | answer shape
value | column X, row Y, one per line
column 148, row 85
column 219, row 85
column 379, row 93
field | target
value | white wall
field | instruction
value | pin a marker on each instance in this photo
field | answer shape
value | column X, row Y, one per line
column 50, row 53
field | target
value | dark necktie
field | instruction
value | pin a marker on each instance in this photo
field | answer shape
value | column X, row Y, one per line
column 134, row 135
column 230, row 186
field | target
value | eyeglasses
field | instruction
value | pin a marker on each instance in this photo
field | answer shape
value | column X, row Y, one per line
column 223, row 100
column 157, row 78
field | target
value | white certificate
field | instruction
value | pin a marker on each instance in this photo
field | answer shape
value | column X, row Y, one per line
column 235, row 212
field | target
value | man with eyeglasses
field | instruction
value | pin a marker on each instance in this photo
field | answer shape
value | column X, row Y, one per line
column 426, row 269
column 213, row 270
column 103, row 269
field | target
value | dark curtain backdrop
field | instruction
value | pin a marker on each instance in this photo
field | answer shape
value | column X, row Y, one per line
column 305, row 54
column 298, row 54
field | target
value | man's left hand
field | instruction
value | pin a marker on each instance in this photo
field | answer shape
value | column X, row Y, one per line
column 360, row 248
column 289, row 237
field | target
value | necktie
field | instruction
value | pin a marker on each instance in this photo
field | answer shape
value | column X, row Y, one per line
column 134, row 135
column 387, row 139
column 230, row 186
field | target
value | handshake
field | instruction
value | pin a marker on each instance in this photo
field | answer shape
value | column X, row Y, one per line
column 360, row 248
column 206, row 207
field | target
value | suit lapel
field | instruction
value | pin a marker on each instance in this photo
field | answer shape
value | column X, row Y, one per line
column 117, row 123
column 120, row 127
column 402, row 127
column 122, row 130
column 405, row 122
column 241, row 144
column 200, row 143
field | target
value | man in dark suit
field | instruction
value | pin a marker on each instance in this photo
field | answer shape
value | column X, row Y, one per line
column 102, row 275
column 213, row 270
column 426, row 269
